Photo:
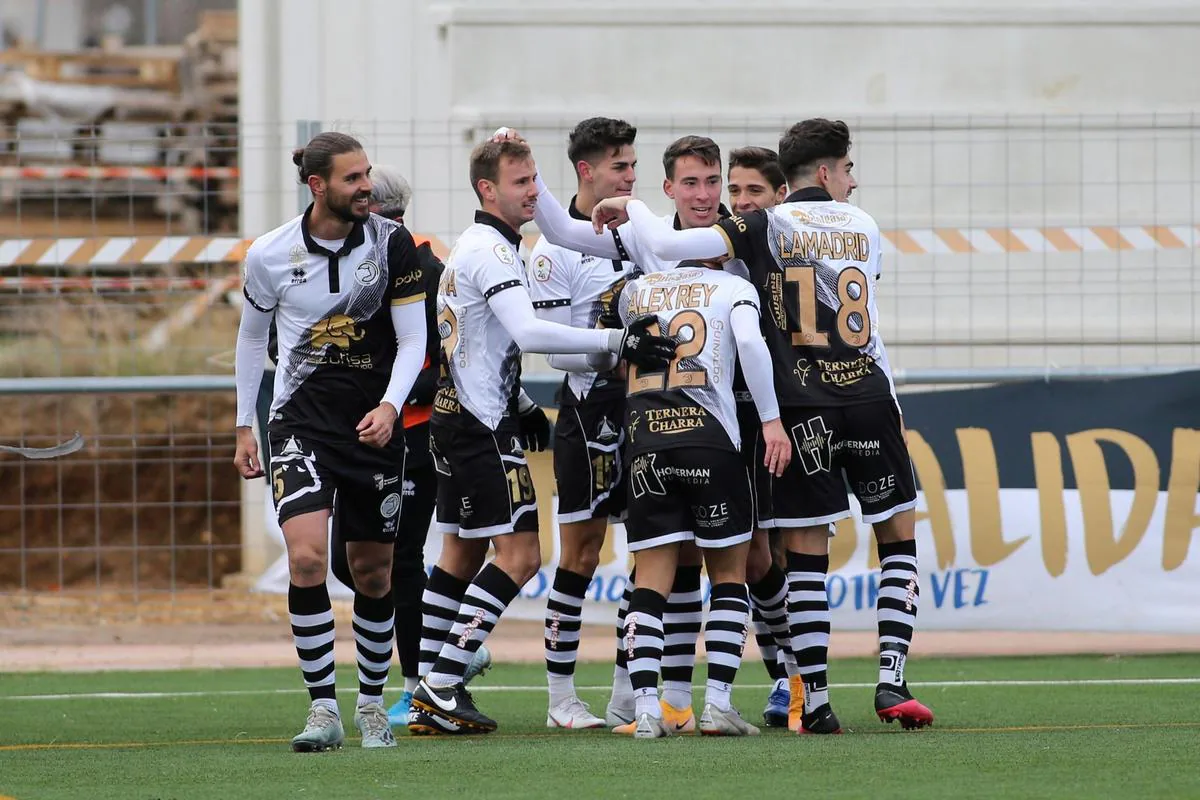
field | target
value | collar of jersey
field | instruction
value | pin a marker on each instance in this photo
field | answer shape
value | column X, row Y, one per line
column 809, row 194
column 506, row 230
column 355, row 238
column 574, row 211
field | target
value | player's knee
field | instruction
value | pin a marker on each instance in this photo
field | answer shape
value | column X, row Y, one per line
column 758, row 560
column 307, row 567
column 372, row 574
column 582, row 558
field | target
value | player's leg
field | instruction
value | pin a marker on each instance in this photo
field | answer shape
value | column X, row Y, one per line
column 303, row 491
column 369, row 503
column 586, row 469
column 682, row 623
column 767, row 585
column 620, row 708
column 655, row 526
column 409, row 579
column 808, row 498
column 882, row 479
column 723, row 519
column 767, row 581
column 498, row 489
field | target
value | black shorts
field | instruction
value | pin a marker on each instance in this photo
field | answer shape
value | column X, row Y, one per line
column 588, row 442
column 865, row 443
column 687, row 494
column 307, row 474
column 750, row 428
column 484, row 485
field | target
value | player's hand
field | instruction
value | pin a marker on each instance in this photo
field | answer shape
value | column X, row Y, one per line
column 647, row 350
column 245, row 457
column 504, row 134
column 535, row 429
column 375, row 428
column 610, row 213
column 778, row 447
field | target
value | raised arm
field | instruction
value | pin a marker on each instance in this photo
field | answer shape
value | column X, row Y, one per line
column 575, row 234
column 671, row 245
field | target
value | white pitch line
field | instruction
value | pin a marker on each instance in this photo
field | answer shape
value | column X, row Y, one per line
column 478, row 688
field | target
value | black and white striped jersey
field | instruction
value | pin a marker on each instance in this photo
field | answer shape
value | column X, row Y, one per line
column 332, row 304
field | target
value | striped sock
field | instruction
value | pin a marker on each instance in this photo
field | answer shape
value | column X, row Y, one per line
column 769, row 600
column 808, row 611
column 896, row 608
column 682, row 620
column 312, row 630
column 374, row 620
column 622, row 688
column 439, row 606
column 564, row 617
column 486, row 598
column 644, row 648
column 724, row 640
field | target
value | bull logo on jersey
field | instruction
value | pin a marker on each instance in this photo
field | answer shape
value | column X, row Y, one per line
column 366, row 273
column 338, row 330
column 814, row 444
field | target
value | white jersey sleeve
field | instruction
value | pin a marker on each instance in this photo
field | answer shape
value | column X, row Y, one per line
column 258, row 284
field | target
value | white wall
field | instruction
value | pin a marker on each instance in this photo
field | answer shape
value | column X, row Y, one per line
column 966, row 114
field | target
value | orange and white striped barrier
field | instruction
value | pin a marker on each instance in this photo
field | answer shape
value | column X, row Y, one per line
column 129, row 251
column 42, row 284
column 117, row 173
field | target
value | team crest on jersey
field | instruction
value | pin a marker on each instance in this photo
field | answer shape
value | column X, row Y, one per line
column 505, row 254
column 366, row 273
column 297, row 255
column 541, row 268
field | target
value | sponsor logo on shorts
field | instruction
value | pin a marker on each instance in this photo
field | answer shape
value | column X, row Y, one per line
column 382, row 480
column 814, row 445
column 645, row 478
column 857, row 447
column 713, row 515
column 390, row 506
column 408, row 489
column 877, row 490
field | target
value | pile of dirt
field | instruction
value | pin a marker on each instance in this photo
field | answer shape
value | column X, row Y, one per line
column 151, row 501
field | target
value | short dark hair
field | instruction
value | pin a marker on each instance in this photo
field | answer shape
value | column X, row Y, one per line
column 316, row 157
column 763, row 159
column 810, row 141
column 486, row 158
column 701, row 147
column 597, row 137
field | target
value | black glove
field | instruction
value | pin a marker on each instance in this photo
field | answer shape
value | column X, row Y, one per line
column 646, row 349
column 535, row 429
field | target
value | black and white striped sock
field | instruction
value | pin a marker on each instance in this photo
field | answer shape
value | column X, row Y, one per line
column 312, row 630
column 486, row 598
column 439, row 608
column 724, row 640
column 564, row 617
column 682, row 621
column 768, row 598
column 644, row 648
column 374, row 621
column 808, row 613
column 896, row 608
column 621, row 686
